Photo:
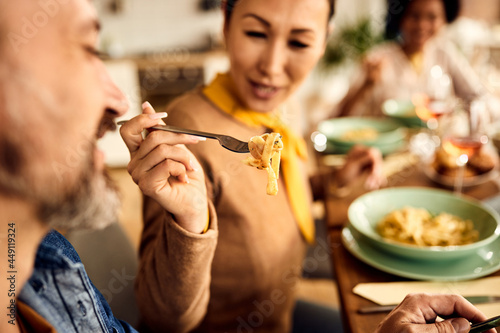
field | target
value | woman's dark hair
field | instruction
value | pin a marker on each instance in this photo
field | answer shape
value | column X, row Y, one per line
column 230, row 4
column 396, row 10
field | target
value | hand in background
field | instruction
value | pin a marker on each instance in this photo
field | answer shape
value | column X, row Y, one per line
column 165, row 170
column 418, row 313
column 361, row 159
column 373, row 68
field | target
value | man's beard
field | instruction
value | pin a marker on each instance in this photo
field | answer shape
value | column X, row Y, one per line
column 90, row 202
column 93, row 203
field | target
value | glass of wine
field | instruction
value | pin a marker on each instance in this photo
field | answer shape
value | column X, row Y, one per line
column 465, row 142
column 435, row 99
column 430, row 110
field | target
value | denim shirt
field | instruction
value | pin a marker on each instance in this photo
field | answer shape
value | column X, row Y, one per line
column 62, row 293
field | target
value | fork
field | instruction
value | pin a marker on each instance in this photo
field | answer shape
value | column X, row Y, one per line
column 225, row 141
column 485, row 325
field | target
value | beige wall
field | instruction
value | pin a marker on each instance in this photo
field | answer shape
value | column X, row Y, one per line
column 488, row 10
column 156, row 25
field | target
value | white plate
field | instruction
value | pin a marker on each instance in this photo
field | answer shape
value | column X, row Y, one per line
column 448, row 181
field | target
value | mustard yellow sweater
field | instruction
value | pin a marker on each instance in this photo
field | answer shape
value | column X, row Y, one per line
column 250, row 283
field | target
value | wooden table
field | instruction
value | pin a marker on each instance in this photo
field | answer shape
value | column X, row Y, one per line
column 350, row 271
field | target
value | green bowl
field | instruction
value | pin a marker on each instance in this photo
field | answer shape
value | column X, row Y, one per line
column 495, row 139
column 402, row 111
column 390, row 134
column 385, row 149
column 369, row 209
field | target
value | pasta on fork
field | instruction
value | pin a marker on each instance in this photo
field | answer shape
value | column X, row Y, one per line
column 265, row 153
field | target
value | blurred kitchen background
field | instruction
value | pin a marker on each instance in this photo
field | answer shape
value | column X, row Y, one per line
column 159, row 49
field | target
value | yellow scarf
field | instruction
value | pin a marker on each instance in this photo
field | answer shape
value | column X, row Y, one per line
column 220, row 92
column 417, row 62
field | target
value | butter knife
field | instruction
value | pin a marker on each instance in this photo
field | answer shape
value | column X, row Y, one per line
column 388, row 308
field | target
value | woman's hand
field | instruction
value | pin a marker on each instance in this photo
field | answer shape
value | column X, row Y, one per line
column 166, row 170
column 361, row 159
column 373, row 68
column 418, row 313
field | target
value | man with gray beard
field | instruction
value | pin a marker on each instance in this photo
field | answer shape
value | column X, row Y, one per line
column 56, row 101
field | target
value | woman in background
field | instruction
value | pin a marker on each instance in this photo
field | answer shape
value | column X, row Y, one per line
column 402, row 67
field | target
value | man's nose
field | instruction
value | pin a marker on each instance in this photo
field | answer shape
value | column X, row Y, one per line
column 115, row 99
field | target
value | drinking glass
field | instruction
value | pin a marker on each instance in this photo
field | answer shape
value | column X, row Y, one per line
column 464, row 140
column 436, row 98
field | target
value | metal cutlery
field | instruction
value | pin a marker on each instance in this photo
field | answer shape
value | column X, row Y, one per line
column 225, row 141
column 388, row 308
column 485, row 325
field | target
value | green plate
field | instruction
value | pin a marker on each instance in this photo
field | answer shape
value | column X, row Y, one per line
column 369, row 209
column 391, row 135
column 483, row 262
column 386, row 149
column 402, row 111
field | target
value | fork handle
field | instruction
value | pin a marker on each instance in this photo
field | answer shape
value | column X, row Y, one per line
column 174, row 129
column 185, row 131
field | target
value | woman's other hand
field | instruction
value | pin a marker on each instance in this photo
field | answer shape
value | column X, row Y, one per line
column 165, row 170
column 373, row 68
column 361, row 160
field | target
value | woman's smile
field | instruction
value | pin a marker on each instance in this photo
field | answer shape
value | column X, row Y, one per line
column 262, row 91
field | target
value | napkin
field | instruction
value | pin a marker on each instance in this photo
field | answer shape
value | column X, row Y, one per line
column 387, row 293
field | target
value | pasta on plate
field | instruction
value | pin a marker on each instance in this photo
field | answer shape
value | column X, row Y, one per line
column 416, row 226
column 362, row 134
column 265, row 153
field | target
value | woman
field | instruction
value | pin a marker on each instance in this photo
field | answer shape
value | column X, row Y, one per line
column 401, row 68
column 272, row 46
